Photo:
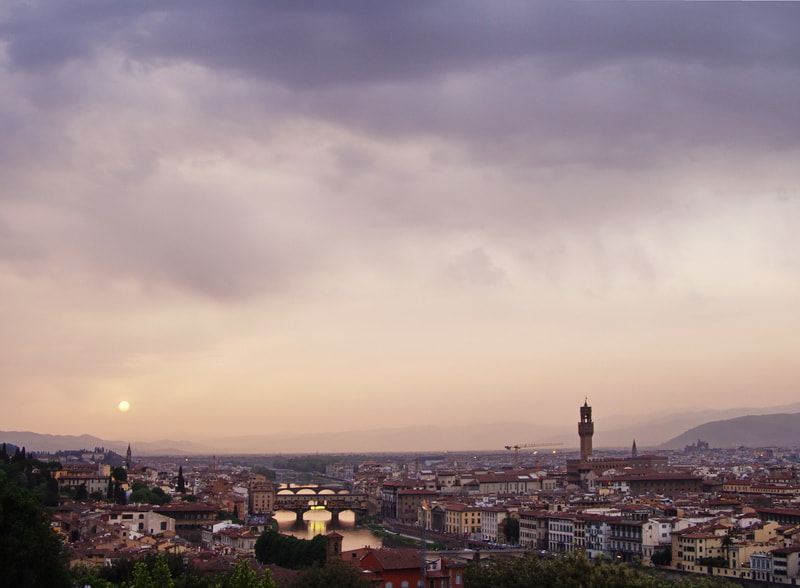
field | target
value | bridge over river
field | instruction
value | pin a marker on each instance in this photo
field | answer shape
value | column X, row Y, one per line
column 332, row 498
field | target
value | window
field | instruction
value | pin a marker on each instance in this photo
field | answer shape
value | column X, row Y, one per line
column 404, row 584
column 389, row 585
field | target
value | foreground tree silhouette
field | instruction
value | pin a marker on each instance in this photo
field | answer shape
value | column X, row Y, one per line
column 157, row 577
column 30, row 551
column 243, row 576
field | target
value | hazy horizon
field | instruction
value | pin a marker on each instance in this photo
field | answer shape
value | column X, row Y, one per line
column 650, row 433
column 255, row 217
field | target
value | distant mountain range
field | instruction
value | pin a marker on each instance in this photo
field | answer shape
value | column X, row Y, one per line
column 781, row 430
column 50, row 443
column 721, row 428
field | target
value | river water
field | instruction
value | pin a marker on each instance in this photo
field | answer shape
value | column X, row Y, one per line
column 318, row 522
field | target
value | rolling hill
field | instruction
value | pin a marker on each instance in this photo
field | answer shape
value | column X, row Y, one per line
column 766, row 430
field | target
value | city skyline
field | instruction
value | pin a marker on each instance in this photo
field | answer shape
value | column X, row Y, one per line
column 244, row 218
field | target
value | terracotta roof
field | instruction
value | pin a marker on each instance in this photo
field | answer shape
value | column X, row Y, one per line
column 395, row 559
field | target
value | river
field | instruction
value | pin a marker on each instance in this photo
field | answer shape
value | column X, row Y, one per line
column 318, row 522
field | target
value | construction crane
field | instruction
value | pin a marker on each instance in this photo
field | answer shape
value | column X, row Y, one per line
column 519, row 446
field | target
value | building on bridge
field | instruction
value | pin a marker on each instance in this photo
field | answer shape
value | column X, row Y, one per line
column 333, row 499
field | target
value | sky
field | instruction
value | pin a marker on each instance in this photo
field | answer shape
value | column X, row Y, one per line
column 258, row 217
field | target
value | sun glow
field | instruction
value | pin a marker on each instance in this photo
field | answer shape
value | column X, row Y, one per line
column 124, row 406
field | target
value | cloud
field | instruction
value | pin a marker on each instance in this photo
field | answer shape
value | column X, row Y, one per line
column 180, row 178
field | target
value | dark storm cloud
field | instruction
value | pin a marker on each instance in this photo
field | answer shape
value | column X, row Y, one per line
column 538, row 92
column 312, row 44
column 548, row 76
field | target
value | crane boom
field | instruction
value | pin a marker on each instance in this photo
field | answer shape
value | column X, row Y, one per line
column 519, row 446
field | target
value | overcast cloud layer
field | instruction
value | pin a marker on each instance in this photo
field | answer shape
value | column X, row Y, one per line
column 263, row 216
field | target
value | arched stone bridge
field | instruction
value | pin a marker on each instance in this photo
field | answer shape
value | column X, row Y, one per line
column 333, row 499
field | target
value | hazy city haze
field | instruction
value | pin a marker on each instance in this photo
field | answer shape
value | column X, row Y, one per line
column 249, row 217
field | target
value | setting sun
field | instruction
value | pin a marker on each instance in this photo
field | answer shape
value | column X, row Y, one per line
column 124, row 406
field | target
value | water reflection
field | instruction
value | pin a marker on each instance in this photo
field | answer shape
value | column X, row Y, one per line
column 319, row 522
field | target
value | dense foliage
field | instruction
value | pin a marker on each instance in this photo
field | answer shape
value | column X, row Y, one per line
column 30, row 551
column 168, row 571
column 141, row 493
column 662, row 557
column 290, row 552
column 573, row 570
column 334, row 573
column 23, row 470
column 263, row 471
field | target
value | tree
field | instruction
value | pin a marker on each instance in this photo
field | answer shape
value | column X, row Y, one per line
column 575, row 569
column 333, row 573
column 266, row 472
column 119, row 474
column 727, row 541
column 121, row 572
column 511, row 530
column 87, row 576
column 162, row 578
column 662, row 557
column 30, row 552
column 289, row 552
column 155, row 575
column 243, row 576
column 181, row 488
column 119, row 494
column 141, row 577
column 161, row 496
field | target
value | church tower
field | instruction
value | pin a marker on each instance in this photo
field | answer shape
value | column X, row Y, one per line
column 586, row 430
column 634, row 450
column 333, row 546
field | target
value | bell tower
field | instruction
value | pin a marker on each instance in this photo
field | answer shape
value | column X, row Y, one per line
column 586, row 430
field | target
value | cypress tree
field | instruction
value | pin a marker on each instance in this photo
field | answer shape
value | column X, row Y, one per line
column 181, row 482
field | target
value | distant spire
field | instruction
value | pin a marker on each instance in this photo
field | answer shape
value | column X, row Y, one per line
column 634, row 451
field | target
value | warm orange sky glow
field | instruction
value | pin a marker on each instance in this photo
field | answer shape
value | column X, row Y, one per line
column 484, row 224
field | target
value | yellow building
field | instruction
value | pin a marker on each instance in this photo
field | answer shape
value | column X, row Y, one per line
column 691, row 545
column 461, row 519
